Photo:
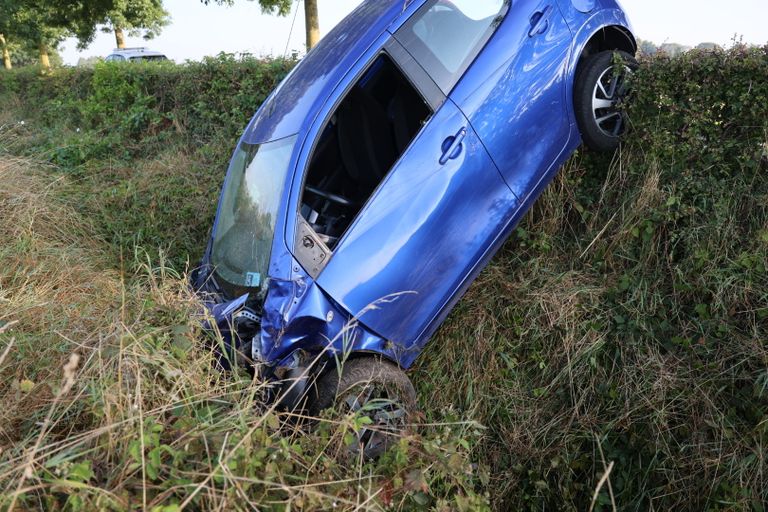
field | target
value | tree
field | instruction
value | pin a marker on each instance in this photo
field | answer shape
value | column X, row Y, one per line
column 6, row 53
column 37, row 23
column 647, row 47
column 283, row 8
column 44, row 24
column 135, row 17
column 707, row 46
column 674, row 49
column 5, row 26
column 312, row 20
column 27, row 54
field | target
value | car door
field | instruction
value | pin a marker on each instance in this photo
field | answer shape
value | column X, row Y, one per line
column 423, row 231
column 514, row 94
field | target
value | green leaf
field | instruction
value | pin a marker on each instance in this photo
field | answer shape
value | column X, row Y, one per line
column 166, row 508
column 80, row 472
column 703, row 311
column 421, row 498
column 134, row 450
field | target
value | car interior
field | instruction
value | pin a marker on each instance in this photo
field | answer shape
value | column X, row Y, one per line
column 369, row 131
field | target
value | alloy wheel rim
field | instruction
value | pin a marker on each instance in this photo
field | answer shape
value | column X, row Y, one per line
column 607, row 96
column 386, row 411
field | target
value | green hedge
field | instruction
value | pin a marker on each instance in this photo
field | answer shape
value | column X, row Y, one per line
column 132, row 105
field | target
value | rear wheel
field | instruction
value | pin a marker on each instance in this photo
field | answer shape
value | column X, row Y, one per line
column 372, row 387
column 599, row 93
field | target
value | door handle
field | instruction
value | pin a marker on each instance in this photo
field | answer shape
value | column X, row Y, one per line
column 540, row 21
column 452, row 146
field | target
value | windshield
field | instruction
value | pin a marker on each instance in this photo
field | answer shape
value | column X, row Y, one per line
column 242, row 244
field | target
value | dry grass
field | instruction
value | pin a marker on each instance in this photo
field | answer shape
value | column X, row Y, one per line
column 53, row 287
column 109, row 399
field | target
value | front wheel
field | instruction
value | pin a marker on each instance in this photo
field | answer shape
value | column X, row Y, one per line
column 599, row 92
column 372, row 387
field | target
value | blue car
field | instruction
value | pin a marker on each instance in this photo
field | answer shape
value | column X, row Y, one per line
column 382, row 175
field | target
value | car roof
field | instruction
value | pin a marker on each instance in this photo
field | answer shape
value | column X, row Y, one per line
column 132, row 53
column 303, row 93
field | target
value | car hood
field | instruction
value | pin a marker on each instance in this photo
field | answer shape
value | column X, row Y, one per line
column 295, row 103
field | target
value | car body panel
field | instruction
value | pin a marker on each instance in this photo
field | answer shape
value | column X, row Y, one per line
column 415, row 74
column 515, row 96
column 421, row 232
column 303, row 317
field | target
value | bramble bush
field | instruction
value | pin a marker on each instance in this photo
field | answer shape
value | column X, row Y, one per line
column 623, row 329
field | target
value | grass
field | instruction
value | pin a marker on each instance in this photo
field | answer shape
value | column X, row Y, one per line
column 615, row 351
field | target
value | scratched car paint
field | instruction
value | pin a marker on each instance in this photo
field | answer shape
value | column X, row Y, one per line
column 381, row 176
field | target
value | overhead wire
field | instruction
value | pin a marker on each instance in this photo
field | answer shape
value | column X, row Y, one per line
column 293, row 24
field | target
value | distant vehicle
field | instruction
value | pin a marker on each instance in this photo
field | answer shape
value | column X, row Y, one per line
column 134, row 55
column 381, row 176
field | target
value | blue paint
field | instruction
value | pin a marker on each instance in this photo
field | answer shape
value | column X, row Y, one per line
column 422, row 231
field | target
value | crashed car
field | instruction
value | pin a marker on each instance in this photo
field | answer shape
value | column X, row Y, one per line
column 381, row 176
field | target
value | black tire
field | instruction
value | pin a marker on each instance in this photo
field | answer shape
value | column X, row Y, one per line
column 375, row 387
column 598, row 75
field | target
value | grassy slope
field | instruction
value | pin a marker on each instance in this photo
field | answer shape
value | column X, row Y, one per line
column 109, row 399
column 624, row 327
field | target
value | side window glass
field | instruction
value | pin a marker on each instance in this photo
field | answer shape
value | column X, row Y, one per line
column 446, row 36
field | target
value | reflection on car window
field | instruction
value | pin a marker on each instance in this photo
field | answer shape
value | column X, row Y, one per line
column 445, row 36
column 245, row 227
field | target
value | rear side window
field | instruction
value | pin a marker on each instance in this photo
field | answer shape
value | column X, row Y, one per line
column 446, row 36
column 142, row 58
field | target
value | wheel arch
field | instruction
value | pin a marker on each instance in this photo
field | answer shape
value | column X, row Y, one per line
column 607, row 38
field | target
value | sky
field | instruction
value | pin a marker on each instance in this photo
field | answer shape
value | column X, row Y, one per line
column 198, row 30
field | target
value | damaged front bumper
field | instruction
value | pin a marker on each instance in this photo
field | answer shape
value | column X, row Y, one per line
column 298, row 327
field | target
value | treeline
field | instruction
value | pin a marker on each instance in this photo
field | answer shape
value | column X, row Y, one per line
column 39, row 26
column 671, row 49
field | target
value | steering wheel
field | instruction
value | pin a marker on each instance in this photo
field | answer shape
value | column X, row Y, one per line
column 335, row 198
